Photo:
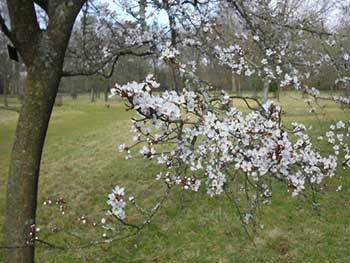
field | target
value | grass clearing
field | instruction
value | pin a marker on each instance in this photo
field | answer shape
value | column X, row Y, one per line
column 81, row 164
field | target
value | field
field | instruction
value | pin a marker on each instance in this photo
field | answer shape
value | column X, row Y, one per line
column 81, row 164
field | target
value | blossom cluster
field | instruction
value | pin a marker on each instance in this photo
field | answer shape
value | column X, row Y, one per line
column 338, row 136
column 115, row 200
column 203, row 141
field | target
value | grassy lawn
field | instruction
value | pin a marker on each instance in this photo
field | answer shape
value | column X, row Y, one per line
column 81, row 164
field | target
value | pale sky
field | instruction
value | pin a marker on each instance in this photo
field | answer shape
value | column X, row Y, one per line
column 161, row 16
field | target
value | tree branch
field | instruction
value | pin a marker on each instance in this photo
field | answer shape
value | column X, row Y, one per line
column 102, row 65
column 62, row 21
column 24, row 27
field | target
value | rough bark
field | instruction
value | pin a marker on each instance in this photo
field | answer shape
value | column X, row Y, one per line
column 23, row 178
column 43, row 54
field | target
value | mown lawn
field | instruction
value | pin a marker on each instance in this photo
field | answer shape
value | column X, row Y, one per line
column 81, row 164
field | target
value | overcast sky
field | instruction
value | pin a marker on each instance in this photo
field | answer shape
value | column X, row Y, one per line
column 161, row 16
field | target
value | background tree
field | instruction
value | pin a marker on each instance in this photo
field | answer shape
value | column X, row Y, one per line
column 99, row 40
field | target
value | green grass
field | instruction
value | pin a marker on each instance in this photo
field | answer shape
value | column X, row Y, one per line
column 81, row 164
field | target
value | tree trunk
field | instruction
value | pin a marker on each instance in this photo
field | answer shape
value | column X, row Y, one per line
column 22, row 187
column 277, row 93
column 92, row 94
column 106, row 94
column 42, row 51
column 73, row 92
column 265, row 96
column 233, row 84
column 239, row 91
column 143, row 15
column 173, row 73
column 236, row 85
column 346, row 95
column 155, row 71
column 6, row 103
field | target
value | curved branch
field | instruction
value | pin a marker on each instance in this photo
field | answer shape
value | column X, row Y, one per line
column 103, row 64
